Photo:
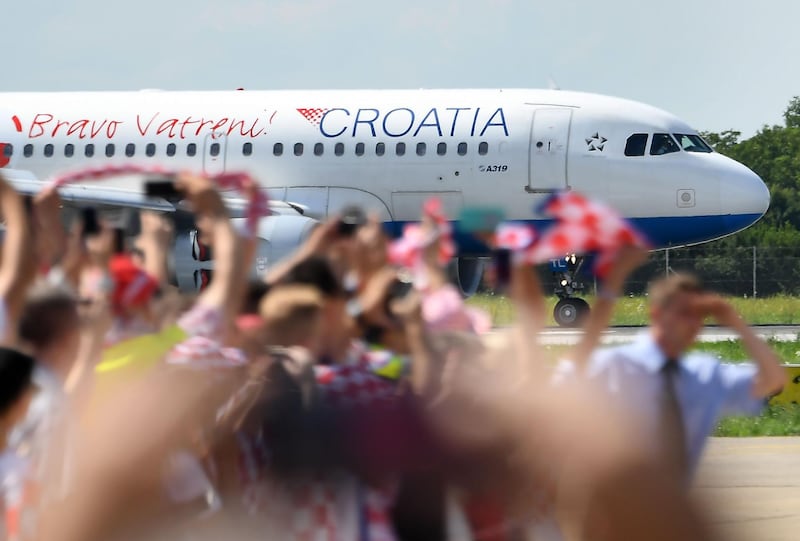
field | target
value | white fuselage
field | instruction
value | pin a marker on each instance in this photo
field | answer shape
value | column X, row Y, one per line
column 390, row 150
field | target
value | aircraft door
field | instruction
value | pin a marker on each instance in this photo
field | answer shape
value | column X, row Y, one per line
column 549, row 143
column 215, row 147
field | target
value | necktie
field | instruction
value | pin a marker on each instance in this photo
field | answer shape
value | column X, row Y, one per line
column 674, row 435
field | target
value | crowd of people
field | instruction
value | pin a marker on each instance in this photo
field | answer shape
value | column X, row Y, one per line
column 348, row 394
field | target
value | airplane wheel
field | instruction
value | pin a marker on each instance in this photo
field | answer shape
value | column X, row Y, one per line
column 570, row 312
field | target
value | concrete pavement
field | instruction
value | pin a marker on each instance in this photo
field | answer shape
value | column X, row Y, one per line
column 621, row 335
column 751, row 487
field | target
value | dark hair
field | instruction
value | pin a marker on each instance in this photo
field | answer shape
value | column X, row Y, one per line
column 256, row 290
column 16, row 371
column 317, row 272
column 49, row 313
column 662, row 291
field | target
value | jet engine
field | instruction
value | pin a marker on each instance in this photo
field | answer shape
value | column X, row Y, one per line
column 466, row 273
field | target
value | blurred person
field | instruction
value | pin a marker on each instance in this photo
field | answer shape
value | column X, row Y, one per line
column 18, row 265
column 678, row 396
column 16, row 390
column 292, row 317
column 605, row 471
column 602, row 472
column 16, row 393
column 50, row 328
column 339, row 328
column 493, row 508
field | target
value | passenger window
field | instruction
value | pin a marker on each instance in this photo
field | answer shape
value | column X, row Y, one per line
column 400, row 149
column 462, row 149
column 48, row 150
column 191, row 149
column 214, row 150
column 171, row 148
column 359, row 149
column 421, row 149
column 380, row 149
column 319, row 148
column 247, row 149
column 69, row 150
column 663, row 143
column 109, row 150
column 636, row 144
column 150, row 149
column 130, row 150
column 8, row 150
column 338, row 149
column 27, row 150
column 441, row 149
column 298, row 149
column 483, row 148
column 277, row 149
column 88, row 150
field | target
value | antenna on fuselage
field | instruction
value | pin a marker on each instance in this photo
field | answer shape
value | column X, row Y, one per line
column 552, row 84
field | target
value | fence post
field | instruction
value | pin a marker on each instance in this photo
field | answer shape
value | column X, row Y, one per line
column 666, row 263
column 754, row 273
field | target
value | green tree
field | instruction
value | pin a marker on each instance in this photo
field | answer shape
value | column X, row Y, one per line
column 774, row 154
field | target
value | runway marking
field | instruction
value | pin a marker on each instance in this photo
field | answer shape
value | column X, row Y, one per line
column 754, row 519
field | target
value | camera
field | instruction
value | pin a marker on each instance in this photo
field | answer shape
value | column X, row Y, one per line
column 91, row 222
column 161, row 188
column 352, row 218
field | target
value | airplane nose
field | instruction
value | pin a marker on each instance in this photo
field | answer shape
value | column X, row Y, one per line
column 743, row 195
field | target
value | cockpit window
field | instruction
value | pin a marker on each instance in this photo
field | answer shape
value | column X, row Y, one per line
column 692, row 143
column 636, row 145
column 663, row 143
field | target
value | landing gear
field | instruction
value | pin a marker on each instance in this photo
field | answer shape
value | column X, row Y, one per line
column 466, row 273
column 570, row 311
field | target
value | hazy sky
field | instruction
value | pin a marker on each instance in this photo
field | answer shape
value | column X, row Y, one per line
column 715, row 63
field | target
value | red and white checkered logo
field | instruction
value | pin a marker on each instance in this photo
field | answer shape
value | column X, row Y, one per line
column 313, row 115
column 584, row 226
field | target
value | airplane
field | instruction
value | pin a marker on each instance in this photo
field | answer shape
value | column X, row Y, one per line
column 316, row 152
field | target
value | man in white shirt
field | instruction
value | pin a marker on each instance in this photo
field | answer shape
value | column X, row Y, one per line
column 678, row 396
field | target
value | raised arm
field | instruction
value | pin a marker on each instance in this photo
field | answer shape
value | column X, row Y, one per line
column 51, row 239
column 16, row 271
column 628, row 259
column 316, row 243
column 212, row 219
column 154, row 241
column 529, row 308
column 771, row 376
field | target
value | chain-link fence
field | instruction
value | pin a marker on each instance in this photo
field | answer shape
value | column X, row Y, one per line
column 757, row 271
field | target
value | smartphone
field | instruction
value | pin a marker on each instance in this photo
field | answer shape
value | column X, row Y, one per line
column 161, row 188
column 91, row 223
column 399, row 289
column 27, row 200
column 119, row 240
column 352, row 218
column 502, row 268
column 480, row 219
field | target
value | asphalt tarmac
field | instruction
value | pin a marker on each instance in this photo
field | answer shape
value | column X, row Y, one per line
column 751, row 487
column 620, row 335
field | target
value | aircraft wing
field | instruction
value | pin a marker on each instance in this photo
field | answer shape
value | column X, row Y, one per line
column 88, row 194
